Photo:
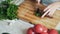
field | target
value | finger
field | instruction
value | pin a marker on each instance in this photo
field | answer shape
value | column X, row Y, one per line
column 38, row 0
column 45, row 13
column 51, row 12
column 47, row 8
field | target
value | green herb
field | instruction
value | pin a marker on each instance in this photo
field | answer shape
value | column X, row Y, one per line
column 8, row 10
column 59, row 31
column 38, row 12
column 11, row 11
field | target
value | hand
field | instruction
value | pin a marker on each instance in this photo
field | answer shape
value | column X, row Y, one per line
column 51, row 9
column 38, row 1
column 37, row 4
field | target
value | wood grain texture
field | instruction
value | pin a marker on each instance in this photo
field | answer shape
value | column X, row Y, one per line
column 26, row 12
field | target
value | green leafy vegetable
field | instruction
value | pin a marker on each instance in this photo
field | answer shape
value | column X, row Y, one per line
column 38, row 12
column 59, row 31
column 11, row 11
column 8, row 10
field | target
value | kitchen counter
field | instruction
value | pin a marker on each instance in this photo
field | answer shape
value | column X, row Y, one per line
column 17, row 26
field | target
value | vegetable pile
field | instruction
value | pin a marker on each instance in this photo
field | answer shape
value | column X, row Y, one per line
column 40, row 29
column 38, row 12
column 8, row 10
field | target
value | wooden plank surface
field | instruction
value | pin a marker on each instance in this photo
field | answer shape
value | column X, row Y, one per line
column 26, row 12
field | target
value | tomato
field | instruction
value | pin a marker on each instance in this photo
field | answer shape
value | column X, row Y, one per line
column 53, row 31
column 38, row 28
column 30, row 31
column 45, row 29
column 44, row 33
column 38, row 33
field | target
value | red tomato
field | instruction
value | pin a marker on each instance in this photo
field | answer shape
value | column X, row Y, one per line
column 45, row 29
column 53, row 31
column 38, row 33
column 44, row 33
column 38, row 28
column 30, row 31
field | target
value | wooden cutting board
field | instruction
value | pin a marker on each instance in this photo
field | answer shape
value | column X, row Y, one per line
column 26, row 12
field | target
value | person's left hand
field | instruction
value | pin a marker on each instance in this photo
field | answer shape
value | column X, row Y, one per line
column 51, row 9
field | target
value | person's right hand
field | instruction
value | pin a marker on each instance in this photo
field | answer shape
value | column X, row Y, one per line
column 49, row 11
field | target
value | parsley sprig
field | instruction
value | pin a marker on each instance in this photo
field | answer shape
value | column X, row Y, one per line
column 8, row 10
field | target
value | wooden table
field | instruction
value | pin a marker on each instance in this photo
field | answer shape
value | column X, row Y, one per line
column 26, row 12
